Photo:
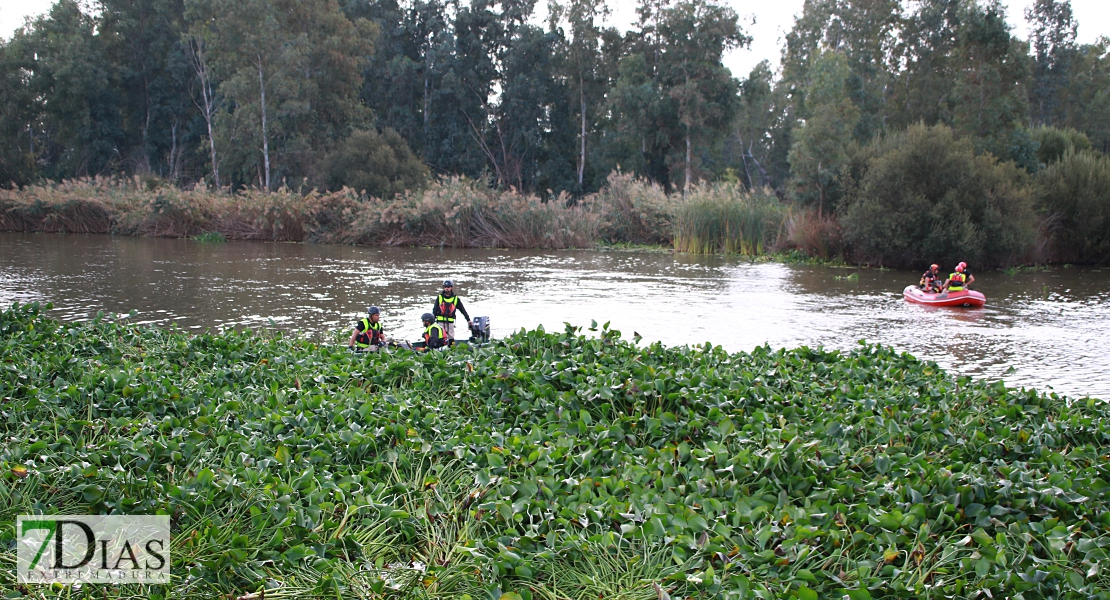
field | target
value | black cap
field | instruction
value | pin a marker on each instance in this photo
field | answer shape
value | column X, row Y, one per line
column 427, row 317
column 373, row 310
column 448, row 283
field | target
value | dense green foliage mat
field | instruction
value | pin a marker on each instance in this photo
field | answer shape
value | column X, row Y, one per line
column 551, row 466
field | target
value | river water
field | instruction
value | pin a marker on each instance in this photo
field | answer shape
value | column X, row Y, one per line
column 1045, row 329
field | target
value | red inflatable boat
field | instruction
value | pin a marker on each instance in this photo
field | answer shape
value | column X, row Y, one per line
column 912, row 293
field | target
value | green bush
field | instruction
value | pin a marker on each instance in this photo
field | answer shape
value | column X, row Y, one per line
column 1055, row 143
column 1074, row 195
column 929, row 198
column 378, row 164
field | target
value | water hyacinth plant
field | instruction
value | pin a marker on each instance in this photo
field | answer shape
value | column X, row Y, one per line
column 550, row 465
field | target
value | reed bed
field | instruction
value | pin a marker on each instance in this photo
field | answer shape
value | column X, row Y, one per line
column 725, row 218
column 817, row 236
column 452, row 212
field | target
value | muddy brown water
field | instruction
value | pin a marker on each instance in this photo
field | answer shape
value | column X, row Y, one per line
column 1045, row 329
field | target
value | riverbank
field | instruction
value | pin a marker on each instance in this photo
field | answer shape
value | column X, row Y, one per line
column 553, row 465
column 456, row 213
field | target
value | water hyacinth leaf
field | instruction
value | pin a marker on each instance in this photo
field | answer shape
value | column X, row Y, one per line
column 982, row 567
column 280, row 456
column 805, row 593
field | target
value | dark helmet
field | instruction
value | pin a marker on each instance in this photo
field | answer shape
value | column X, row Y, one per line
column 427, row 317
column 448, row 283
column 373, row 310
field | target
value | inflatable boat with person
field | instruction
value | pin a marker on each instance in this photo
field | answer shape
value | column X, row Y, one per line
column 969, row 298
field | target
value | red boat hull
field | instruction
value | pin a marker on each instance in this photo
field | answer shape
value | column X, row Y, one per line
column 971, row 298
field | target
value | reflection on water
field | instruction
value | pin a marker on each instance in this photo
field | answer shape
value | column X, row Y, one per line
column 1046, row 329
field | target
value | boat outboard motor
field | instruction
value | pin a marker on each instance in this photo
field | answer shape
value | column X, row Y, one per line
column 479, row 330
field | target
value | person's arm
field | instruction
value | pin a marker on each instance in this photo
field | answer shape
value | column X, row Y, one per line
column 435, row 308
column 970, row 279
column 462, row 310
column 351, row 342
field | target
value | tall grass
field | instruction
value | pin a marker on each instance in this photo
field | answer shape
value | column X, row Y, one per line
column 724, row 218
column 634, row 211
column 817, row 236
column 454, row 212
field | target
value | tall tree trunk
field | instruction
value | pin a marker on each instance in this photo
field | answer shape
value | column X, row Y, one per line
column 427, row 87
column 265, row 140
column 820, row 195
column 146, row 127
column 200, row 65
column 686, row 182
column 173, row 151
column 686, row 117
column 582, row 152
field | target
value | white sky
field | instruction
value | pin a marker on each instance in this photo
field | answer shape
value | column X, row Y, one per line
column 772, row 18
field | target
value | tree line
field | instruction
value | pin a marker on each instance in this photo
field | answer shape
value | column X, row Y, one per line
column 378, row 95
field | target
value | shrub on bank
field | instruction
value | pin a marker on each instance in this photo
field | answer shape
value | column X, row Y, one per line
column 1053, row 143
column 725, row 218
column 927, row 197
column 633, row 211
column 816, row 235
column 1073, row 194
column 378, row 164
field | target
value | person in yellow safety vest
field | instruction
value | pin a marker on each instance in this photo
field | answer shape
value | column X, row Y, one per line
column 444, row 309
column 434, row 335
column 959, row 280
column 368, row 335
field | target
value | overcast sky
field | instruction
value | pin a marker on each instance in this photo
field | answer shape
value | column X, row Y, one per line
column 772, row 18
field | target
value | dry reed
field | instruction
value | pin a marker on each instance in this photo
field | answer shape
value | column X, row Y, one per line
column 453, row 212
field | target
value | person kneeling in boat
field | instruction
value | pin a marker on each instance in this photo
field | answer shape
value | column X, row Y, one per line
column 930, row 281
column 434, row 335
column 368, row 335
column 959, row 280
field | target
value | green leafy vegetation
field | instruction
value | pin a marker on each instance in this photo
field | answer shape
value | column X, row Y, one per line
column 552, row 465
column 378, row 164
column 210, row 237
column 1074, row 195
column 927, row 196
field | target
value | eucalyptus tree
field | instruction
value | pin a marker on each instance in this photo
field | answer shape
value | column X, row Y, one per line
column 143, row 40
column 290, row 72
column 866, row 33
column 69, row 107
column 928, row 53
column 674, row 100
column 820, row 153
column 1053, row 33
column 583, row 64
column 751, row 140
column 989, row 97
column 1087, row 96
